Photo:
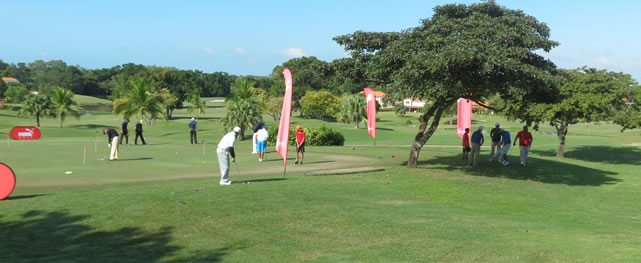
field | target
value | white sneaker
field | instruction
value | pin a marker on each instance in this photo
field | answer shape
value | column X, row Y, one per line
column 225, row 183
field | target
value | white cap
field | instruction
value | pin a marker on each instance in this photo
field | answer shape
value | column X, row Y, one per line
column 236, row 129
column 193, row 119
column 497, row 124
column 481, row 127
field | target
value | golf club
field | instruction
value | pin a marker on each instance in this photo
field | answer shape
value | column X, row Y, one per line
column 237, row 170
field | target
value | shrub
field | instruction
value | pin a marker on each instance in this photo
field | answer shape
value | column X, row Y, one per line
column 323, row 136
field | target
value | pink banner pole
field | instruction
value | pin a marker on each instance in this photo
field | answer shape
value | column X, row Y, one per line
column 463, row 116
column 282, row 141
column 370, row 99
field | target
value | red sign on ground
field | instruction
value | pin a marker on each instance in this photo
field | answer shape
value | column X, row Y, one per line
column 7, row 181
column 24, row 133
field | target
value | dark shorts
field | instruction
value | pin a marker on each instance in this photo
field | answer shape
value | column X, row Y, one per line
column 301, row 148
column 467, row 149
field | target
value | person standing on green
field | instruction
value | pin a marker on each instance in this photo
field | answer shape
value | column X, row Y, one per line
column 525, row 141
column 300, row 145
column 495, row 135
column 477, row 140
column 193, row 127
column 139, row 133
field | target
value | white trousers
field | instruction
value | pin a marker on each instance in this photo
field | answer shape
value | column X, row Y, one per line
column 114, row 149
column 223, row 163
column 524, row 151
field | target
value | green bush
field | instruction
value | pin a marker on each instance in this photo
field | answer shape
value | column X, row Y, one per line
column 323, row 136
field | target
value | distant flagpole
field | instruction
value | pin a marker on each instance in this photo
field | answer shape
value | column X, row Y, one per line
column 282, row 141
column 370, row 99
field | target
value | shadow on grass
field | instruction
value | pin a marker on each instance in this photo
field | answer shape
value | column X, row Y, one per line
column 136, row 159
column 264, row 180
column 61, row 237
column 18, row 197
column 328, row 161
column 540, row 170
column 189, row 118
column 600, row 154
column 92, row 127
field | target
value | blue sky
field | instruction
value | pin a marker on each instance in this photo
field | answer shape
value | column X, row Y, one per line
column 251, row 37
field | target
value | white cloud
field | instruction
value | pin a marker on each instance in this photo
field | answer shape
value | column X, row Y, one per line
column 208, row 50
column 605, row 61
column 292, row 52
column 240, row 51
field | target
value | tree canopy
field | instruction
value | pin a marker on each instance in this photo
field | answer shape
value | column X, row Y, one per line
column 471, row 51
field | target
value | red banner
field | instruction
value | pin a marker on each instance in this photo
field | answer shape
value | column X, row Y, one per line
column 282, row 141
column 370, row 99
column 24, row 133
column 463, row 116
column 7, row 181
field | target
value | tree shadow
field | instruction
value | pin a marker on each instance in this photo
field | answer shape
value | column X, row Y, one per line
column 136, row 159
column 599, row 154
column 540, row 170
column 60, row 237
column 18, row 197
column 189, row 118
column 263, row 180
column 90, row 126
column 606, row 154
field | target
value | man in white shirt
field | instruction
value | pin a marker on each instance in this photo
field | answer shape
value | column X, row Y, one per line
column 226, row 148
column 261, row 142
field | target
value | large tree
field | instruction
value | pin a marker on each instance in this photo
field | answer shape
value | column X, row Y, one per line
column 139, row 101
column 64, row 104
column 307, row 74
column 242, row 106
column 37, row 106
column 584, row 95
column 471, row 51
column 320, row 104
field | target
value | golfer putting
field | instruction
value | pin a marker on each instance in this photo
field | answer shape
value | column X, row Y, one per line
column 112, row 140
column 224, row 150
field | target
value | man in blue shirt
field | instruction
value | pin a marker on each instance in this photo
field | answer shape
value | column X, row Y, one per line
column 193, row 125
column 477, row 140
column 506, row 142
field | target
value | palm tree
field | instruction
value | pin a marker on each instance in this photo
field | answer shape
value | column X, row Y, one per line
column 196, row 105
column 242, row 106
column 139, row 101
column 63, row 103
column 37, row 106
column 353, row 110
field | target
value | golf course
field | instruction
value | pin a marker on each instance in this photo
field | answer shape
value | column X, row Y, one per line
column 161, row 202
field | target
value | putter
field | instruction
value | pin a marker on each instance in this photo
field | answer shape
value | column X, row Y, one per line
column 237, row 170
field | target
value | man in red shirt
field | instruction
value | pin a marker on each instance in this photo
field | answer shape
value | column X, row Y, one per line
column 466, row 144
column 300, row 145
column 525, row 141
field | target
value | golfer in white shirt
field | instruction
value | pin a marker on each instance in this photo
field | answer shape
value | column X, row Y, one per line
column 226, row 148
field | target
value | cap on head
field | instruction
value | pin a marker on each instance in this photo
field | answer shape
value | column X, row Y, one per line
column 525, row 127
column 140, row 121
column 236, row 129
column 193, row 119
column 481, row 128
column 497, row 124
column 297, row 127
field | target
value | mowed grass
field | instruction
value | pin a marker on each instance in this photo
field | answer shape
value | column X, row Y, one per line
column 161, row 202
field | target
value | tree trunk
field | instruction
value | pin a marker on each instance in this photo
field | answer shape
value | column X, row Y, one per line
column 425, row 133
column 38, row 120
column 60, row 122
column 561, row 132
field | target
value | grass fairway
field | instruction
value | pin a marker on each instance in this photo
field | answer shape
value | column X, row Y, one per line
column 162, row 203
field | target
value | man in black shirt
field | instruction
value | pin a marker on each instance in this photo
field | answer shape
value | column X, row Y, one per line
column 495, row 134
column 112, row 140
column 139, row 133
column 124, row 132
